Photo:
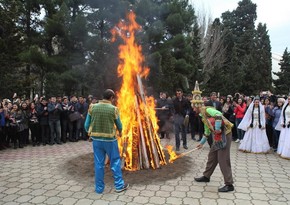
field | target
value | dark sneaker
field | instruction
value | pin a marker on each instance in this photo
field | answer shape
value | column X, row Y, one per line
column 185, row 147
column 125, row 187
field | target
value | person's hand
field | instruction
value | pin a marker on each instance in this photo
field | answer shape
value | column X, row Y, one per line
column 217, row 132
column 199, row 146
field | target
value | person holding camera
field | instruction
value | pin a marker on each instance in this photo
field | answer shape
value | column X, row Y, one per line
column 239, row 110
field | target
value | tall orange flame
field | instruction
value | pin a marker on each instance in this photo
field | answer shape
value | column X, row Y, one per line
column 136, row 110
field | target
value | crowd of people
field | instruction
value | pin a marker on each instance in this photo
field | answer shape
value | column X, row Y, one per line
column 43, row 121
column 259, row 122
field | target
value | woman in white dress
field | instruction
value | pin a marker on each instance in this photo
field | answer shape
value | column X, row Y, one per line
column 254, row 123
column 284, row 127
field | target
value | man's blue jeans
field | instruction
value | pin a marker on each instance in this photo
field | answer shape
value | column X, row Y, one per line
column 55, row 131
column 240, row 132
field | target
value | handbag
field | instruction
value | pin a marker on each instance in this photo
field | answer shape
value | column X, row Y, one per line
column 74, row 116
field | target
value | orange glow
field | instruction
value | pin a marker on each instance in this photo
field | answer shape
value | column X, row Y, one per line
column 137, row 111
column 172, row 154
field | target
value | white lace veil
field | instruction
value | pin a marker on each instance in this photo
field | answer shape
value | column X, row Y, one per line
column 281, row 119
column 247, row 119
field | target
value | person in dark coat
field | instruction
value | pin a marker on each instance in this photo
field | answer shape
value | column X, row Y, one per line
column 163, row 107
column 42, row 113
column 181, row 114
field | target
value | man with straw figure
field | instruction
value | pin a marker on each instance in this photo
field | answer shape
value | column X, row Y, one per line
column 217, row 125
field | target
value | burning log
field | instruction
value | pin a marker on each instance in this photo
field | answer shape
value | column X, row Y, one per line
column 124, row 147
column 155, row 159
column 142, row 150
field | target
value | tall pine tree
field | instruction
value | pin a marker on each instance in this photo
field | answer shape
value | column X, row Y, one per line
column 282, row 84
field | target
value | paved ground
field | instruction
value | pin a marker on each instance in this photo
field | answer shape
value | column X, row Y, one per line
column 64, row 174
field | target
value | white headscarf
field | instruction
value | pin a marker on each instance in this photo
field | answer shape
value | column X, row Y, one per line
column 247, row 119
column 281, row 119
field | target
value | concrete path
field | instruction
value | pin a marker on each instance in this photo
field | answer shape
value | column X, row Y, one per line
column 64, row 174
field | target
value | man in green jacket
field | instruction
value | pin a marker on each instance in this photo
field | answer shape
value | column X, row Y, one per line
column 101, row 122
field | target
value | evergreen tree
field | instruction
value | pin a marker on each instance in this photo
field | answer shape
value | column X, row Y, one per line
column 10, row 44
column 30, row 25
column 262, row 58
column 170, row 41
column 282, row 84
column 65, row 46
column 102, row 54
column 52, row 54
column 239, row 28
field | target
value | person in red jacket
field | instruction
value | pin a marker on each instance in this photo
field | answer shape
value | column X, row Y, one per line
column 239, row 110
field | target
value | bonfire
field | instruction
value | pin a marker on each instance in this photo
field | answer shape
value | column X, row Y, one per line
column 140, row 145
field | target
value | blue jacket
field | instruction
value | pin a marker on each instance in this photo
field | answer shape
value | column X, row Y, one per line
column 2, row 119
column 275, row 113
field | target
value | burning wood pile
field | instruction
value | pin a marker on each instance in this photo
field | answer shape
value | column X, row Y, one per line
column 140, row 145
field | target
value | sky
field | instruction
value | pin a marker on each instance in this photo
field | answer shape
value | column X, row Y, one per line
column 275, row 14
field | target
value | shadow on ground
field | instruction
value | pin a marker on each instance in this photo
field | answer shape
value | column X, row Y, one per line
column 81, row 169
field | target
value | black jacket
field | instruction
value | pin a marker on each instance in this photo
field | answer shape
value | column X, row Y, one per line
column 217, row 106
column 181, row 107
